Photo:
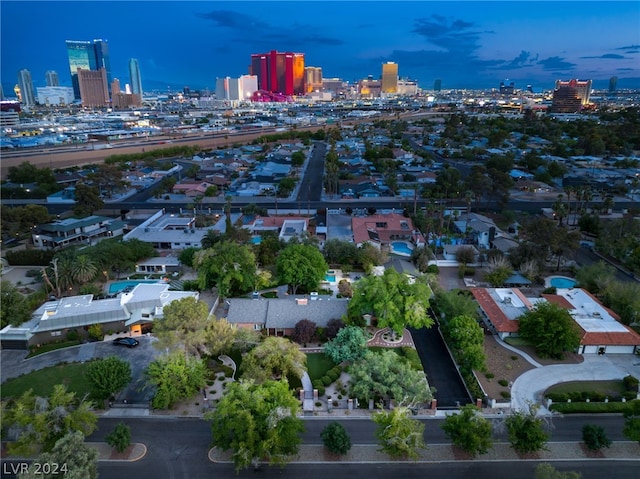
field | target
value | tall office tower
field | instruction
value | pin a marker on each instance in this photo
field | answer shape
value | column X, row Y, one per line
column 570, row 96
column 582, row 87
column 236, row 89
column 613, row 84
column 437, row 85
column 1, row 93
column 115, row 86
column 94, row 91
column 88, row 56
column 134, row 77
column 26, row 88
column 312, row 79
column 55, row 95
column 279, row 72
column 507, row 89
column 52, row 78
column 17, row 92
column 390, row 77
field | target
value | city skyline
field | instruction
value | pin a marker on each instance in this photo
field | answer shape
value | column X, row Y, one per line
column 464, row 44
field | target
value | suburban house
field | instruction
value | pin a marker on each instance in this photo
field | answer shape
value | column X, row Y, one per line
column 166, row 231
column 159, row 265
column 192, row 189
column 287, row 227
column 602, row 331
column 279, row 316
column 483, row 232
column 600, row 327
column 76, row 231
column 129, row 312
column 451, row 250
column 382, row 230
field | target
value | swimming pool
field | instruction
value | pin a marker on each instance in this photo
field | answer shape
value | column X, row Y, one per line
column 118, row 286
column 401, row 248
column 256, row 239
column 330, row 276
column 561, row 282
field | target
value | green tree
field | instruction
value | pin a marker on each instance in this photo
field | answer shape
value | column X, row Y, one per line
column 87, row 200
column 547, row 471
column 466, row 340
column 349, row 344
column 624, row 299
column 399, row 435
column 595, row 277
column 383, row 376
column 526, row 431
column 108, row 376
column 120, row 437
column 335, row 438
column 219, row 337
column 257, row 421
column 595, row 437
column 83, row 269
column 13, row 306
column 229, row 266
column 455, row 302
column 286, row 186
column 301, row 266
column 393, row 300
column 175, row 377
column 469, row 430
column 34, row 424
column 304, row 331
column 183, row 324
column 631, row 414
column 274, row 358
column 551, row 329
column 297, row 158
column 74, row 459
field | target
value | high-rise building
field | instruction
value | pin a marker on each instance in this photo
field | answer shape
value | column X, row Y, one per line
column 279, row 72
column 236, row 89
column 507, row 89
column 613, row 84
column 312, row 79
column 134, row 77
column 570, row 96
column 52, row 78
column 55, row 95
column 87, row 55
column 94, row 91
column 28, row 96
column 390, row 77
column 437, row 85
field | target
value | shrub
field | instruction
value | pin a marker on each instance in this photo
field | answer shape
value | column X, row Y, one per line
column 120, row 437
column 335, row 438
column 489, row 375
column 595, row 437
column 317, row 384
column 333, row 374
column 589, row 407
column 503, row 382
column 505, row 394
column 550, row 290
column 433, row 268
column 326, row 380
column 631, row 383
column 73, row 335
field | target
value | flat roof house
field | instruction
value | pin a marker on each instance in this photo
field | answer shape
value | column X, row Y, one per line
column 55, row 319
column 73, row 231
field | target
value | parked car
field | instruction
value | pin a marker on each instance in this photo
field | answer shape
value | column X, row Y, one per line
column 128, row 342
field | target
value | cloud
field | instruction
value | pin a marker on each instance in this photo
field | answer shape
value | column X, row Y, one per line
column 608, row 56
column 629, row 47
column 625, row 69
column 556, row 63
column 251, row 30
column 453, row 36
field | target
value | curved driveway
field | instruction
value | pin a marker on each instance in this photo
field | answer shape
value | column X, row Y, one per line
column 530, row 386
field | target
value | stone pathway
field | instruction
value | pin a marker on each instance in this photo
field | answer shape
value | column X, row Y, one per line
column 380, row 340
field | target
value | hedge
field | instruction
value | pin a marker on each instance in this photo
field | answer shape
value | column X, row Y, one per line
column 589, row 407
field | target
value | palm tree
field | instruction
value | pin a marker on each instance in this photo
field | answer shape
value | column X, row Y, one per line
column 83, row 269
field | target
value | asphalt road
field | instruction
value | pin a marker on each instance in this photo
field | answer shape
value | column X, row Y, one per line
column 311, row 184
column 177, row 449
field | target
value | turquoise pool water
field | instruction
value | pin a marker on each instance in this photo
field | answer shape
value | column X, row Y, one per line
column 256, row 239
column 400, row 247
column 330, row 277
column 562, row 283
column 120, row 285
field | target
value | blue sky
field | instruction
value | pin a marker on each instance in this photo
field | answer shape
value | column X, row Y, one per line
column 465, row 44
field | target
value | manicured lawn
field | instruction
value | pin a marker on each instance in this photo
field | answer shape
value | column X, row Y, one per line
column 607, row 388
column 318, row 364
column 517, row 342
column 42, row 381
column 45, row 348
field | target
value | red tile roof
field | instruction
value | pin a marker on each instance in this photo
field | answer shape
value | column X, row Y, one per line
column 630, row 338
column 361, row 225
column 558, row 300
column 499, row 320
